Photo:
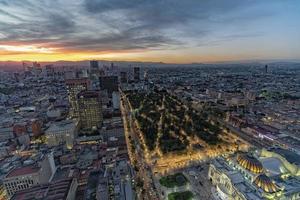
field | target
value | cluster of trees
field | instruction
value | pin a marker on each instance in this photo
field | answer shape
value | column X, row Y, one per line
column 135, row 98
column 197, row 124
column 186, row 195
column 149, row 129
column 175, row 180
column 171, row 139
column 148, row 116
column 176, row 118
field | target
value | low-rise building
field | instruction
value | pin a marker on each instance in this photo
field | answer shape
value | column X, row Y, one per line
column 59, row 190
column 25, row 177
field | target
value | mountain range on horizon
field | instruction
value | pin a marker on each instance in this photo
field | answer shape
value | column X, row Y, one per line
column 17, row 65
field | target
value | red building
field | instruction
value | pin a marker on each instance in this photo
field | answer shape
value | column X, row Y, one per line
column 20, row 129
column 36, row 126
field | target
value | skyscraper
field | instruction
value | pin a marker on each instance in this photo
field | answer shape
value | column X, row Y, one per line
column 136, row 74
column 94, row 69
column 123, row 77
column 94, row 65
column 74, row 86
column 266, row 69
column 109, row 83
column 90, row 110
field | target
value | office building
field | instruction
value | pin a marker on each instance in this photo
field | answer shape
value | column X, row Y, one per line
column 146, row 76
column 136, row 74
column 90, row 109
column 74, row 86
column 62, row 132
column 116, row 100
column 123, row 77
column 109, row 83
column 40, row 172
column 94, row 68
column 94, row 65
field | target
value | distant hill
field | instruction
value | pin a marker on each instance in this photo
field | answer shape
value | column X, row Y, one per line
column 13, row 65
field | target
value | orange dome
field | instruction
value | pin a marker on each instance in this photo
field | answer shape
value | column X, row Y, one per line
column 266, row 184
column 250, row 163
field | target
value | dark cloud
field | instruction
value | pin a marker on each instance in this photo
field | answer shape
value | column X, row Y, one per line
column 116, row 24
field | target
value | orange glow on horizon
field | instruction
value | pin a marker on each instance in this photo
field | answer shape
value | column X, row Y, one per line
column 31, row 52
column 130, row 57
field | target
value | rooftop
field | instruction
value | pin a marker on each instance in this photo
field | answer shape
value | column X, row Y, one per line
column 61, row 125
column 288, row 155
column 23, row 171
column 56, row 190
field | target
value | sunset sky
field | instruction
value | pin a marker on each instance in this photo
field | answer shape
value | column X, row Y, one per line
column 173, row 31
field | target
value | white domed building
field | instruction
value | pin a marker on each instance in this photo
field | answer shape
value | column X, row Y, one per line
column 265, row 174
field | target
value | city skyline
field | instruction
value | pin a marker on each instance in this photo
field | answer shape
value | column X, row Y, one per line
column 158, row 31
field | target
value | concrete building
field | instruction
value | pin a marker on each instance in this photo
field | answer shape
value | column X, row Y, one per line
column 123, row 77
column 136, row 74
column 59, row 190
column 90, row 109
column 74, row 86
column 94, row 65
column 109, row 83
column 116, row 100
column 63, row 132
column 27, row 176
column 36, row 127
column 6, row 133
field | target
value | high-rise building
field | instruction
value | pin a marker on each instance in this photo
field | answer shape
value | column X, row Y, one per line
column 90, row 109
column 94, row 65
column 116, row 100
column 123, row 77
column 109, row 83
column 146, row 75
column 94, row 69
column 266, row 69
column 74, row 86
column 136, row 74
column 48, row 70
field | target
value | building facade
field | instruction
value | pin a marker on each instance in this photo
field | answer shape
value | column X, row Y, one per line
column 59, row 190
column 74, row 86
column 109, row 83
column 63, row 132
column 28, row 176
column 90, row 110
column 260, row 175
column 136, row 74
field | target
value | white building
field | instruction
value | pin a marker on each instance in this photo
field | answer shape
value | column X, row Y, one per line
column 25, row 177
column 116, row 100
column 264, row 174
